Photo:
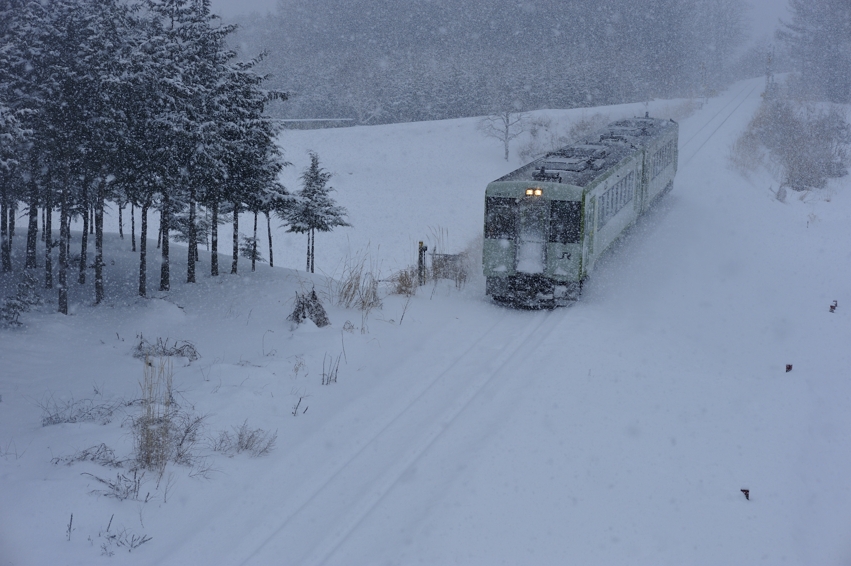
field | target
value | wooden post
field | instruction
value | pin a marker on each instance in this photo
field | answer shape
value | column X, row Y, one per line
column 421, row 273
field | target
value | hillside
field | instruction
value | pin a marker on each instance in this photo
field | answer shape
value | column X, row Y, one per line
column 619, row 430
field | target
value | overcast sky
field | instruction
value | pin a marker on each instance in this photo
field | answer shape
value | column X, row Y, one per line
column 764, row 13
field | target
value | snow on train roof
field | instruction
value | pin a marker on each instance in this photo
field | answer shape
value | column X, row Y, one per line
column 580, row 163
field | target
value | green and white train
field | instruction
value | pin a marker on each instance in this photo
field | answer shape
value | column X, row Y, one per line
column 547, row 223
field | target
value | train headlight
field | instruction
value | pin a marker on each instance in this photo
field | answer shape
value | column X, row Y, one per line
column 534, row 192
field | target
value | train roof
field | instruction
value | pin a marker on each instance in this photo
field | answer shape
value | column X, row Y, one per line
column 580, row 163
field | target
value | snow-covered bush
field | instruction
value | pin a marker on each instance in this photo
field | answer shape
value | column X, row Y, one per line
column 306, row 306
column 748, row 154
column 809, row 143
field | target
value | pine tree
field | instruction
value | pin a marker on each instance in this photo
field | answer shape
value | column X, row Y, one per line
column 314, row 208
column 102, row 100
column 251, row 157
column 819, row 39
column 13, row 133
column 26, row 296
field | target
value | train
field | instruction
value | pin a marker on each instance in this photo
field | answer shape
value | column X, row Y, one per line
column 547, row 223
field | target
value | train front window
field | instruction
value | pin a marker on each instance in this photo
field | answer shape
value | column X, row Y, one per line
column 499, row 218
column 565, row 222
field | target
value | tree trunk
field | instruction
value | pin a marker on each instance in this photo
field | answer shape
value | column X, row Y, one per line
column 48, row 240
column 307, row 269
column 13, row 210
column 143, row 252
column 64, row 233
column 5, row 248
column 165, row 275
column 254, row 245
column 269, row 230
column 214, row 240
column 92, row 220
column 312, row 250
column 506, row 121
column 195, row 247
column 99, row 204
column 193, row 241
column 133, row 226
column 120, row 221
column 32, row 232
column 235, row 237
column 84, row 244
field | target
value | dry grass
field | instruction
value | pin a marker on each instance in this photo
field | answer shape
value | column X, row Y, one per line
column 404, row 282
column 100, row 454
column 254, row 441
column 161, row 348
column 56, row 411
column 153, row 428
column 163, row 432
column 358, row 285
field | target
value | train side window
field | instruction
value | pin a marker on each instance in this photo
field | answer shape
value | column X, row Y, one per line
column 565, row 219
column 499, row 218
column 662, row 158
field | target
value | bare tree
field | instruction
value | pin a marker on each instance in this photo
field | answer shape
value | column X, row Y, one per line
column 504, row 126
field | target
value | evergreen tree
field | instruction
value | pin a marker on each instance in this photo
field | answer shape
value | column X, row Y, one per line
column 251, row 157
column 13, row 133
column 314, row 208
column 101, row 100
column 819, row 40
column 66, row 107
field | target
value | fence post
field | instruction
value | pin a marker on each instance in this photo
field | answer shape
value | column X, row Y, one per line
column 421, row 274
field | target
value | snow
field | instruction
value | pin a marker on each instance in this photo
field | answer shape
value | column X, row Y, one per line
column 530, row 257
column 619, row 430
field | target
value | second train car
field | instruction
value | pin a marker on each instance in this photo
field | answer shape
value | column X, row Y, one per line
column 547, row 223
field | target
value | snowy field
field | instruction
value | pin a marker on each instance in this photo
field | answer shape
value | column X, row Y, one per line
column 620, row 430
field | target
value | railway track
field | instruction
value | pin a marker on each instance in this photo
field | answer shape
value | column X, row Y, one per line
column 724, row 112
column 407, row 436
column 409, row 433
column 316, row 520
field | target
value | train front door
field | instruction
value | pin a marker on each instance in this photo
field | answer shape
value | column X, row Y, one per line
column 532, row 229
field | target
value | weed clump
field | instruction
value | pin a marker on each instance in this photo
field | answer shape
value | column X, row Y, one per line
column 164, row 431
column 254, row 441
column 162, row 349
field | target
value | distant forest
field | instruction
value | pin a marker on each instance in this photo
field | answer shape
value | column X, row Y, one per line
column 376, row 61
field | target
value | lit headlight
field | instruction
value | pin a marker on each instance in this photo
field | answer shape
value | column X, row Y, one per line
column 534, row 192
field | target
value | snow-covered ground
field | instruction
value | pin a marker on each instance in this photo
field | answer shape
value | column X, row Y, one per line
column 617, row 431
